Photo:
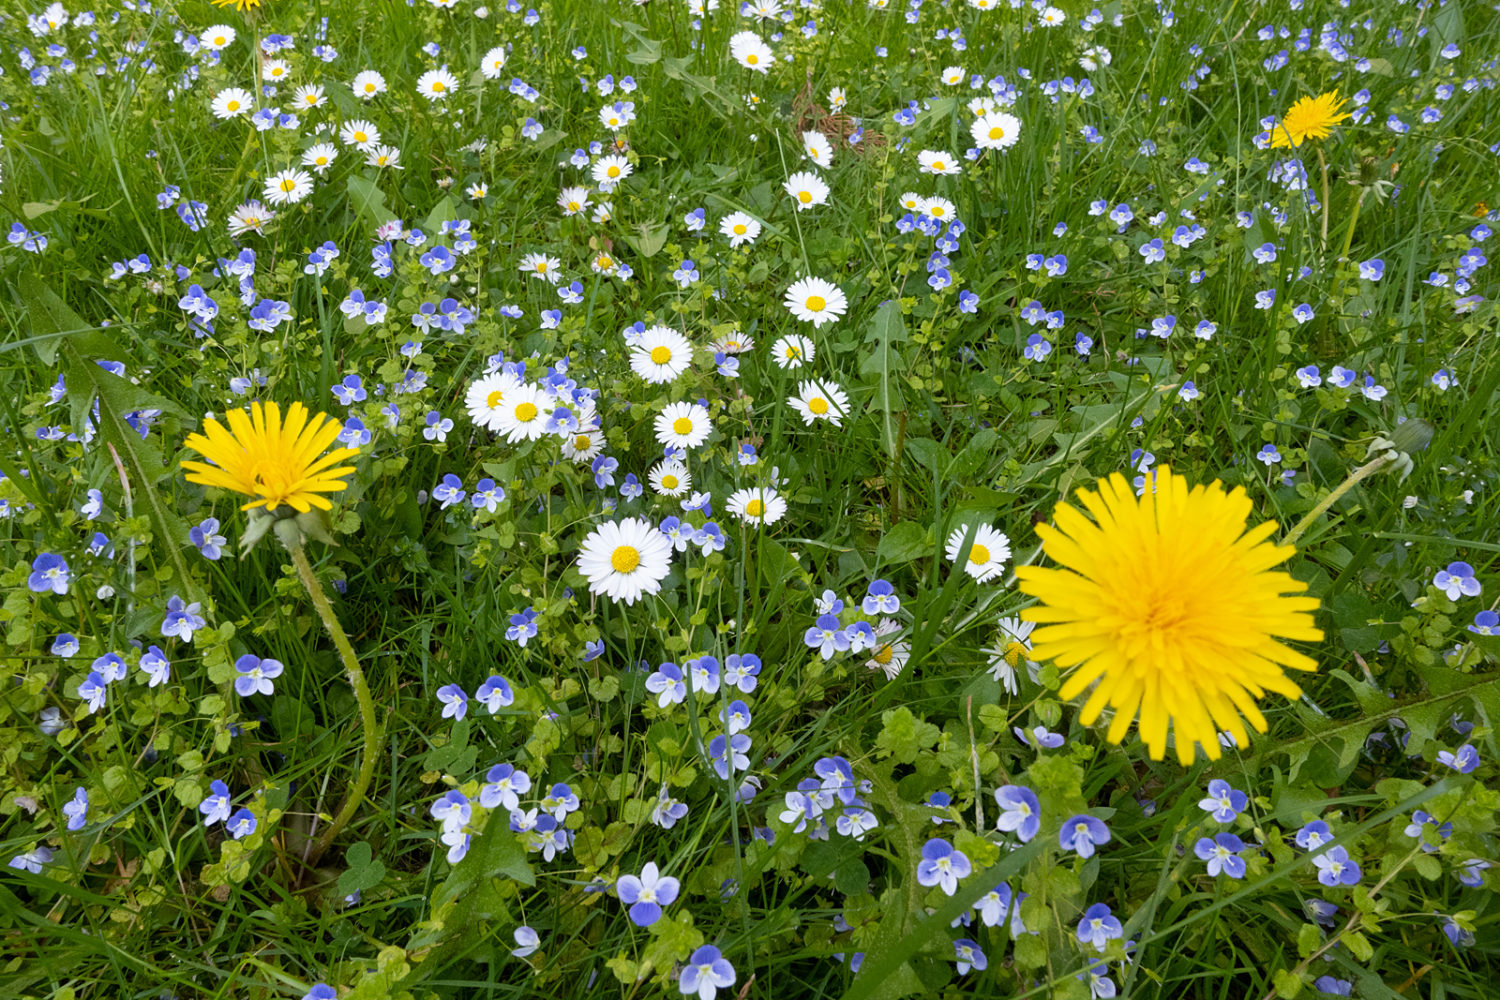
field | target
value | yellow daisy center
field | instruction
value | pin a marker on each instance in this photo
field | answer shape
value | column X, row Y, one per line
column 818, row 405
column 805, row 197
column 613, row 170
column 494, row 399
column 739, row 229
column 939, row 165
column 884, row 655
column 288, row 184
column 755, row 508
column 816, row 303
column 669, row 482
column 661, row 354
column 978, row 555
column 233, row 105
column 526, row 412
column 752, row 59
column 438, row 86
column 682, row 426
column 937, row 211
column 625, row 558
column 582, row 442
column 996, row 132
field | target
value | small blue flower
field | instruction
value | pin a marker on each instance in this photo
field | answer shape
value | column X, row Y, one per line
column 1223, row 802
column 1485, row 623
column 668, row 684
column 242, row 824
column 942, row 865
column 1222, row 855
column 646, row 894
column 1335, row 868
column 1021, row 812
column 49, row 572
column 182, row 620
column 1082, row 833
column 206, row 538
column 1463, row 760
column 215, row 806
column 1314, row 835
column 495, row 693
column 255, row 675
column 706, row 971
column 881, row 599
column 1268, row 454
column 77, row 810
column 455, row 702
column 1099, row 926
column 969, row 956
column 1457, row 581
column 505, row 787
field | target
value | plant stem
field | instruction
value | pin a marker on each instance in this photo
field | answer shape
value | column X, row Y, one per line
column 367, row 717
column 1363, row 472
column 1353, row 218
column 1323, row 164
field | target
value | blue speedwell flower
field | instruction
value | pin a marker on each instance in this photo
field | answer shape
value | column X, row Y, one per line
column 1223, row 802
column 1021, row 813
column 1082, row 833
column 1222, row 855
column 706, row 972
column 256, row 675
column 647, row 894
column 49, row 573
column 1099, row 926
column 942, row 865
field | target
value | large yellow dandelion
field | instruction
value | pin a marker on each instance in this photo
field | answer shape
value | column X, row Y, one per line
column 1308, row 118
column 1167, row 605
column 275, row 463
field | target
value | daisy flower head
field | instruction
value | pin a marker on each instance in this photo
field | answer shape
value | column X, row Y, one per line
column 436, row 84
column 816, row 147
column 360, row 134
column 217, row 38
column 1168, row 607
column 275, row 70
column 807, row 189
column 987, row 556
column 272, row 461
column 671, row 479
column 573, row 200
column 937, row 162
column 683, row 425
column 251, row 217
column 1050, row 17
column 793, row 351
column 523, row 414
column 938, row 208
column 660, row 355
column 815, row 301
column 890, row 658
column 320, row 156
column 996, row 130
column 740, row 228
column 368, row 85
column 761, row 505
column 544, row 266
column 493, row 62
column 820, row 401
column 624, row 560
column 1012, row 648
column 309, row 95
column 232, row 102
column 611, row 170
column 486, row 398
column 911, row 201
column 1308, row 118
column 383, row 156
column 287, row 187
column 750, row 51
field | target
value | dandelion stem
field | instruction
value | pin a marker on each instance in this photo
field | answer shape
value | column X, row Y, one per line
column 1363, row 472
column 368, row 720
column 1323, row 165
column 1353, row 218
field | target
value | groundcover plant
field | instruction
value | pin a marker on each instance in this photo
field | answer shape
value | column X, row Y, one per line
column 906, row 498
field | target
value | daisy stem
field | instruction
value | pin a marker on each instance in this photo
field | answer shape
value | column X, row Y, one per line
column 1363, row 472
column 1323, row 165
column 367, row 718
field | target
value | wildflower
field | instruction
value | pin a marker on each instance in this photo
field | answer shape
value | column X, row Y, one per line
column 1223, row 802
column 647, row 894
column 660, row 355
column 750, row 51
column 524, row 414
column 1191, row 639
column 625, row 559
column 996, row 130
column 272, row 462
column 455, row 702
column 937, row 162
column 820, row 401
column 182, row 620
column 1313, row 835
column 1082, row 833
column 49, row 572
column 817, row 148
column 761, row 505
column 155, row 665
column 1099, row 926
column 793, row 351
column 986, row 556
column 436, row 84
column 1222, row 855
column 807, row 189
column 230, row 102
column 256, row 675
column 215, row 806
column 77, row 809
column 826, row 637
column 287, row 187
column 815, row 301
column 740, row 228
column 741, row 671
column 969, row 955
column 1021, row 812
column 1335, row 868
column 527, row 941
column 672, row 479
column 1308, row 118
column 706, row 972
column 729, row 754
column 504, row 788
column 242, row 824
column 1463, row 760
column 942, row 865
column 1457, row 581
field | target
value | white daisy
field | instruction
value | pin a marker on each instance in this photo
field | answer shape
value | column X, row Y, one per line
column 276, row 70
column 932, row 161
column 1010, row 651
column 493, row 62
column 740, row 228
column 793, row 351
column 890, row 657
column 436, row 84
column 486, row 398
column 360, row 134
column 818, row 148
column 540, row 265
column 939, row 208
column 524, row 413
column 671, row 479
column 911, row 201
column 320, row 156
column 762, row 505
column 815, row 301
column 750, row 51
column 986, row 556
column 573, row 200
column 660, row 355
column 368, row 84
column 249, row 217
column 820, row 401
column 583, row 445
column 287, row 187
column 611, row 170
column 625, row 559
column 309, row 95
column 232, row 102
column 996, row 130
column 807, row 189
column 682, row 425
column 217, row 38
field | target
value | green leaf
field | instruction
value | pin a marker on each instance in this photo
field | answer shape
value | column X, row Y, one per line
column 367, row 200
column 648, row 238
column 903, row 543
column 1288, row 983
column 365, row 872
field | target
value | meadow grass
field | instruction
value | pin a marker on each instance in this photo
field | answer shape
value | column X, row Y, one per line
column 972, row 401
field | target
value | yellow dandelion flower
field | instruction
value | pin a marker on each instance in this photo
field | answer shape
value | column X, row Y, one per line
column 240, row 5
column 273, row 462
column 1167, row 606
column 1308, row 118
